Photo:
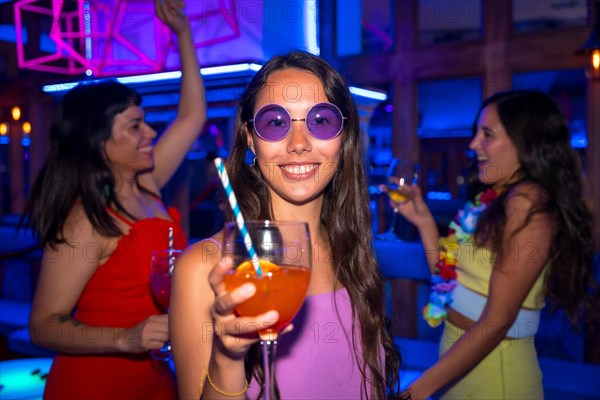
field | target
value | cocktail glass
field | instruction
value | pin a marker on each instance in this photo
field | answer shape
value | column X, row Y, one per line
column 160, row 283
column 284, row 252
column 400, row 176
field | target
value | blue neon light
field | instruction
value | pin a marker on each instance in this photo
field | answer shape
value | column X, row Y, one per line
column 224, row 69
column 310, row 26
column 88, row 30
column 371, row 94
column 8, row 33
column 439, row 196
column 227, row 69
column 162, row 76
column 579, row 141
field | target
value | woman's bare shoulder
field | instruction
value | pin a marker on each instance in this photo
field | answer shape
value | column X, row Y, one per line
column 527, row 203
column 78, row 226
column 527, row 192
column 201, row 255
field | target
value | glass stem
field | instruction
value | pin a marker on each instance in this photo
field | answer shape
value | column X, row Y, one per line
column 268, row 357
column 393, row 224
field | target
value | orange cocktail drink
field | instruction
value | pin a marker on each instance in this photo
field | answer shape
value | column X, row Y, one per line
column 284, row 254
column 281, row 288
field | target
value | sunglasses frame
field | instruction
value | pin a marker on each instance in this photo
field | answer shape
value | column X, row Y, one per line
column 297, row 119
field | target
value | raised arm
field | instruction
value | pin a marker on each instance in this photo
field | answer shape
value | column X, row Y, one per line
column 65, row 272
column 512, row 278
column 178, row 138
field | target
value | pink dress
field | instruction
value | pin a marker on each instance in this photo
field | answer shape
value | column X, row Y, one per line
column 316, row 360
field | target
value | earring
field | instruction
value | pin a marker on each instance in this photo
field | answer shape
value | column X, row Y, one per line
column 250, row 158
column 106, row 190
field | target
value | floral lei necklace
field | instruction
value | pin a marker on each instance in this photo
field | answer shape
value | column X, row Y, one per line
column 443, row 281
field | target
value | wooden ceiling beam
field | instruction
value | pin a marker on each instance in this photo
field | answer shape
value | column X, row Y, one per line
column 558, row 50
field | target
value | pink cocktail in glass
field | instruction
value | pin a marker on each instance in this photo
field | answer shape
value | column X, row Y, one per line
column 161, row 272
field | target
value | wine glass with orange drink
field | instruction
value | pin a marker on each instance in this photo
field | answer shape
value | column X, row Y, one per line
column 284, row 254
column 161, row 272
column 400, row 176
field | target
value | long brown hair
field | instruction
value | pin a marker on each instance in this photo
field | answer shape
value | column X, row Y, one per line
column 76, row 166
column 345, row 215
column 538, row 130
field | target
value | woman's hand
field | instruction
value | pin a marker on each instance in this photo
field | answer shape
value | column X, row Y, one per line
column 415, row 210
column 171, row 13
column 150, row 334
column 414, row 394
column 234, row 335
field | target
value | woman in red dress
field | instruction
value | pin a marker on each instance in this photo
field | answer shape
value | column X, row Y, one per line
column 97, row 210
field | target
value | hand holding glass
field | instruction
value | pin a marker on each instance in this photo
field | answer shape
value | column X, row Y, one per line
column 160, row 283
column 284, row 252
column 400, row 176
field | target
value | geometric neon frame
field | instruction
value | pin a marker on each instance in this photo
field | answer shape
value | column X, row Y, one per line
column 120, row 37
column 65, row 45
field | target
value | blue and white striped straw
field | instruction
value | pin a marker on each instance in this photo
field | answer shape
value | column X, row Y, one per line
column 237, row 213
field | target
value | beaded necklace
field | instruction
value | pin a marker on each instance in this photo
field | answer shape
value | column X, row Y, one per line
column 443, row 281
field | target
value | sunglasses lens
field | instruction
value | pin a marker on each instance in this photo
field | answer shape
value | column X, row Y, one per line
column 324, row 121
column 272, row 123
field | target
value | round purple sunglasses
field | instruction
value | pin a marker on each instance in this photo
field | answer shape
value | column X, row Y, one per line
column 273, row 123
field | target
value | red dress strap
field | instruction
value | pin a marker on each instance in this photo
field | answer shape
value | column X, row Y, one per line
column 119, row 216
column 151, row 193
column 113, row 212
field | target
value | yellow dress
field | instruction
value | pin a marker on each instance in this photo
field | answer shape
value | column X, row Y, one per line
column 511, row 370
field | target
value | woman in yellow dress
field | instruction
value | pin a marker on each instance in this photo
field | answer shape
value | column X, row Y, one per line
column 525, row 237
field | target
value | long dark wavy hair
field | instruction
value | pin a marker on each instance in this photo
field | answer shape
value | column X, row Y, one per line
column 345, row 215
column 538, row 130
column 77, row 167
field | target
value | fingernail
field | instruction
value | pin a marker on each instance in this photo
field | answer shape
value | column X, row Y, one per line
column 271, row 316
column 248, row 289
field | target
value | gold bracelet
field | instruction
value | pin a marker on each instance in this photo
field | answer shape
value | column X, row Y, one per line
column 221, row 391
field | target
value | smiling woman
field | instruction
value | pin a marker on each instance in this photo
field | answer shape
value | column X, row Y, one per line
column 97, row 199
column 526, row 236
column 130, row 142
column 301, row 158
column 298, row 117
column 497, row 160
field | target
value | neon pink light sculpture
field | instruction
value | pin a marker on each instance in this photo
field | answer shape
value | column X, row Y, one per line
column 121, row 37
